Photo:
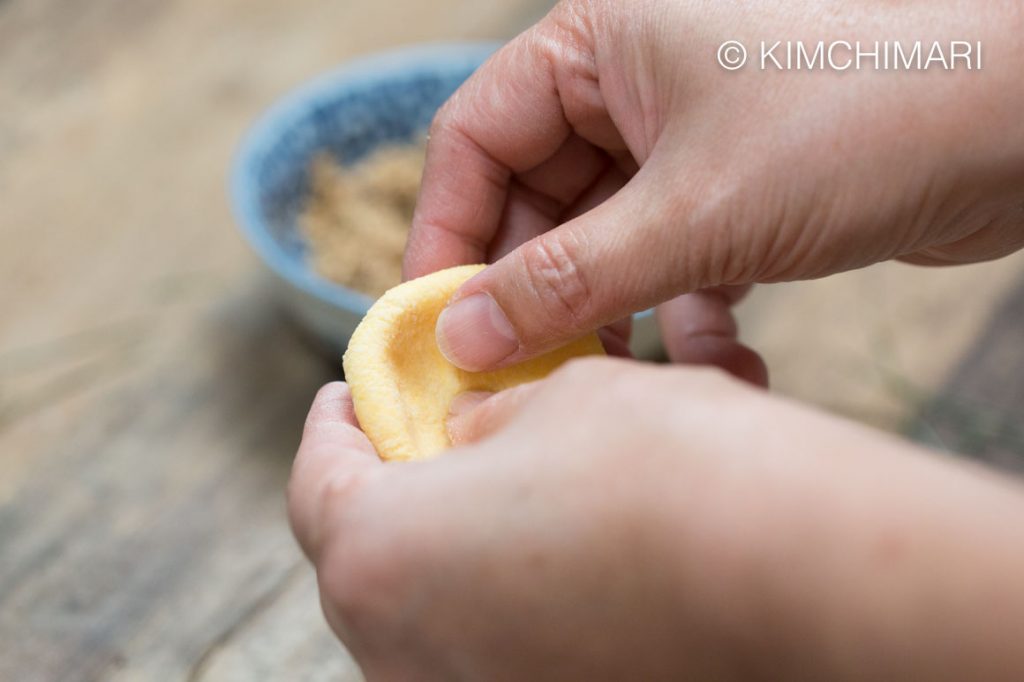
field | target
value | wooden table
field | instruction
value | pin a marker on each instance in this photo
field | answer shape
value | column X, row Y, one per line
column 151, row 393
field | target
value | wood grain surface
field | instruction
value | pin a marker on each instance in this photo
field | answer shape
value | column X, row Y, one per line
column 151, row 393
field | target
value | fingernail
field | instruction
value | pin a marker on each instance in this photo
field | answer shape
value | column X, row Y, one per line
column 474, row 334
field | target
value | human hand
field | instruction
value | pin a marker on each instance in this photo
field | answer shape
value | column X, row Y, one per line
column 672, row 175
column 551, row 553
column 675, row 525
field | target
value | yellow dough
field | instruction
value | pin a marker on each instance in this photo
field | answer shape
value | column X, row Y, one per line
column 402, row 385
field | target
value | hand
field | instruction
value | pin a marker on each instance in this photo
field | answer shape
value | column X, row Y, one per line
column 671, row 524
column 607, row 163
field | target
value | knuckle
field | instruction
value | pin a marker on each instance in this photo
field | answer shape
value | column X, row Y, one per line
column 586, row 371
column 446, row 118
column 319, row 504
column 336, row 496
column 550, row 263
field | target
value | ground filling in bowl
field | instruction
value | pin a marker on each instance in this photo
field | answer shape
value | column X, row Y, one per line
column 356, row 219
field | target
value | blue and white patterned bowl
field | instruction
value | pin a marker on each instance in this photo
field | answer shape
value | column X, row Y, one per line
column 381, row 99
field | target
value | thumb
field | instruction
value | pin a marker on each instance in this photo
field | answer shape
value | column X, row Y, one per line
column 625, row 255
column 475, row 416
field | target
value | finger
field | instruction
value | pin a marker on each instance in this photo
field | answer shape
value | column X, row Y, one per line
column 333, row 459
column 474, row 416
column 526, row 216
column 603, row 188
column 529, row 214
column 604, row 265
column 568, row 172
column 615, row 338
column 516, row 112
column 699, row 329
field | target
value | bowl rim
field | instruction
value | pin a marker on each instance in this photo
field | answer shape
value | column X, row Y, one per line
column 284, row 114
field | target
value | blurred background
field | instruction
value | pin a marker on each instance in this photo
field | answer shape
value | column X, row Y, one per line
column 152, row 391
